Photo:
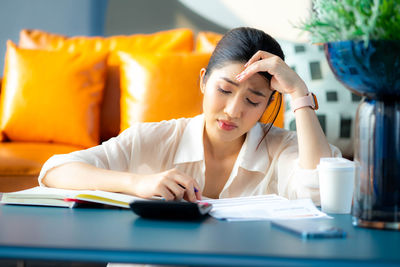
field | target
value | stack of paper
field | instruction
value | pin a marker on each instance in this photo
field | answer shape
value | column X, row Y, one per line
column 264, row 207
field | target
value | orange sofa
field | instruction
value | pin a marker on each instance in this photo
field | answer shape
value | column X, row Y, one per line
column 60, row 94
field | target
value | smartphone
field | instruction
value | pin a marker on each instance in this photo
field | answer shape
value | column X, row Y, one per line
column 310, row 228
column 170, row 210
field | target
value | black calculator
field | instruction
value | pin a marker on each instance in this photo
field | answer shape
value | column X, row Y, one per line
column 170, row 210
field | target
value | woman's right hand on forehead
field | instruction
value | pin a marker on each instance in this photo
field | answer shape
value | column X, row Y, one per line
column 284, row 79
column 169, row 185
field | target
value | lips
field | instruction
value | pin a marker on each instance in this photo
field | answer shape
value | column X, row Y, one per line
column 226, row 125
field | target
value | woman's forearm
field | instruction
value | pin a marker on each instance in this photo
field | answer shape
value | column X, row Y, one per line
column 171, row 184
column 78, row 175
column 312, row 141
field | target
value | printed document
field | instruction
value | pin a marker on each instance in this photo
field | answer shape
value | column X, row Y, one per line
column 264, row 207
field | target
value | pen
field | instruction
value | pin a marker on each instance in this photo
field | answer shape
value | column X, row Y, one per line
column 161, row 198
column 195, row 189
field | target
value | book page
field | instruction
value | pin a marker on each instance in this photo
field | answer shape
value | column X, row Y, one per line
column 41, row 192
column 103, row 197
column 55, row 197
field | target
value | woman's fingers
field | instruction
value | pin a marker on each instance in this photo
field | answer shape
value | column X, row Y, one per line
column 177, row 190
column 257, row 66
column 259, row 55
column 190, row 185
column 176, row 185
column 165, row 193
column 284, row 79
column 197, row 193
column 261, row 61
column 256, row 57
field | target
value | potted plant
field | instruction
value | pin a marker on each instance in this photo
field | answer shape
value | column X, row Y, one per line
column 362, row 44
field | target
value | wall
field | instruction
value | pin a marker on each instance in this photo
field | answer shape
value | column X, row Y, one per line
column 69, row 17
column 147, row 16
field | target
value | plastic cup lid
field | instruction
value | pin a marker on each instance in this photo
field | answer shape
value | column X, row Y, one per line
column 335, row 163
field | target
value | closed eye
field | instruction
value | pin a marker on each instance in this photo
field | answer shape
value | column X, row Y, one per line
column 224, row 91
column 252, row 103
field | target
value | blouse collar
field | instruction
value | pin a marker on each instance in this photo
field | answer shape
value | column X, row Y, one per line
column 251, row 156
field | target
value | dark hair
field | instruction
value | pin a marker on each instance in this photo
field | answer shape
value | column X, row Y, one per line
column 239, row 45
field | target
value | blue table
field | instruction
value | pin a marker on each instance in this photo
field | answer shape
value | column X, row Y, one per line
column 117, row 235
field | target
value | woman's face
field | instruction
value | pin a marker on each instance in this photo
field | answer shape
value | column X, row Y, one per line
column 232, row 108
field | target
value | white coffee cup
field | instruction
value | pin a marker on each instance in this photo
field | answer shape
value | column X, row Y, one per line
column 336, row 182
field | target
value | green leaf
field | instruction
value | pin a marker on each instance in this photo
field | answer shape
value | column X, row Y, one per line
column 336, row 20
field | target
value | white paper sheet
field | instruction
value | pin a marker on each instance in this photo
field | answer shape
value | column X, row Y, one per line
column 265, row 207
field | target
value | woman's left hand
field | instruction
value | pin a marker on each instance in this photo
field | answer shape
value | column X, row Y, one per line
column 283, row 80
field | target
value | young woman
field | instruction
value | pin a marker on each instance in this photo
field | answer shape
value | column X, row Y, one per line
column 225, row 152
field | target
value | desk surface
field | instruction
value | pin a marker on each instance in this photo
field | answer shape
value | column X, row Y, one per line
column 116, row 235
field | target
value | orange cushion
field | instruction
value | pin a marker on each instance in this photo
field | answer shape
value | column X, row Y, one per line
column 177, row 40
column 206, row 42
column 157, row 87
column 51, row 96
column 34, row 39
column 1, row 134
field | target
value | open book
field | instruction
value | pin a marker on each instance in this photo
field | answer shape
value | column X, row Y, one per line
column 45, row 196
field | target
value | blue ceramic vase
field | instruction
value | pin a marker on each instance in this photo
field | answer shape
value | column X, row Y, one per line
column 373, row 70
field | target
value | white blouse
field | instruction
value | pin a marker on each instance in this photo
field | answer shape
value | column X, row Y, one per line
column 146, row 148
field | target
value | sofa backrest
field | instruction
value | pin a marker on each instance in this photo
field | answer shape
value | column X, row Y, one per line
column 177, row 40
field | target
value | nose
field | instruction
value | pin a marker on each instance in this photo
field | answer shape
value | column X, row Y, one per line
column 233, row 107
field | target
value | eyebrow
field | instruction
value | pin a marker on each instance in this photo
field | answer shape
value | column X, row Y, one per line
column 256, row 92
column 229, row 81
column 236, row 84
